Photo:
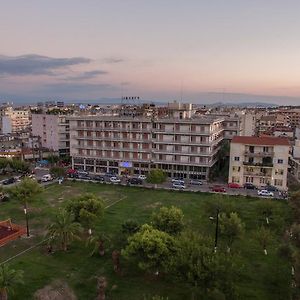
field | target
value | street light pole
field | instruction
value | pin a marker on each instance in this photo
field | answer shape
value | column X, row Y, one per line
column 217, row 230
column 26, row 218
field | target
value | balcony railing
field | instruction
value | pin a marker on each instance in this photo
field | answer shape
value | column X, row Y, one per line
column 255, row 164
column 255, row 174
column 260, row 154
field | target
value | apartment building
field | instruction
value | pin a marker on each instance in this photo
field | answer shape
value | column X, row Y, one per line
column 13, row 120
column 259, row 160
column 53, row 130
column 127, row 145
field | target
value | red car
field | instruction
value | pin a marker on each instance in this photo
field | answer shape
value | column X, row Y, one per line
column 218, row 189
column 233, row 185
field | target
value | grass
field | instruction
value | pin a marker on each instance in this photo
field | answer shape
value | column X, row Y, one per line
column 262, row 277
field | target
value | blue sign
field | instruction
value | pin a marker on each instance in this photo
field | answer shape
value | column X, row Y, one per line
column 125, row 164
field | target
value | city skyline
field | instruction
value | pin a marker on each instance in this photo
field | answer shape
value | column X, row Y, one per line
column 195, row 51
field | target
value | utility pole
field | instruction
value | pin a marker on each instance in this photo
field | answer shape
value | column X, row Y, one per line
column 217, row 230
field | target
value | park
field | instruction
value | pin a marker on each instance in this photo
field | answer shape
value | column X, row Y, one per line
column 259, row 253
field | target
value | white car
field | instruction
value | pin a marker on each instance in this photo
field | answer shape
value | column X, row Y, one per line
column 265, row 193
column 178, row 185
column 142, row 177
column 114, row 179
column 46, row 178
column 195, row 182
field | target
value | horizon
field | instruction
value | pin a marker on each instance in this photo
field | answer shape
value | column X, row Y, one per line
column 197, row 51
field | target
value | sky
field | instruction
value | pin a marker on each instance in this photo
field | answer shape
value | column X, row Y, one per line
column 160, row 50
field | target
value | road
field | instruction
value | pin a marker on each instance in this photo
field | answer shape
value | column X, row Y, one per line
column 205, row 188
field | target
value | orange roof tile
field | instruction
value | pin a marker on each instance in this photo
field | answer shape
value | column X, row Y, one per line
column 262, row 140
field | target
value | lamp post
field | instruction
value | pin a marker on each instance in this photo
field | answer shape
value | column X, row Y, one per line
column 26, row 218
column 217, row 228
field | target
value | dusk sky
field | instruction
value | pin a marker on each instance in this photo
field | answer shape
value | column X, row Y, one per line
column 206, row 51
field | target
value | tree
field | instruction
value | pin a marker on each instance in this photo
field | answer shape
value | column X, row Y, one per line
column 87, row 209
column 219, row 202
column 152, row 249
column 169, row 220
column 231, row 227
column 156, row 176
column 57, row 171
column 97, row 242
column 130, row 227
column 24, row 192
column 266, row 209
column 294, row 202
column 205, row 271
column 64, row 229
column 19, row 165
column 295, row 234
column 9, row 280
column 263, row 236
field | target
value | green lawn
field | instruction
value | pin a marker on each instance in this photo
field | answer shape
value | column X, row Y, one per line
column 263, row 277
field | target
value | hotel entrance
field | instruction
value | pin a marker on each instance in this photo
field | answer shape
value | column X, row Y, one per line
column 125, row 168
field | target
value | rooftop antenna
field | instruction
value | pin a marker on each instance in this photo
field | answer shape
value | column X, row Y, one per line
column 181, row 90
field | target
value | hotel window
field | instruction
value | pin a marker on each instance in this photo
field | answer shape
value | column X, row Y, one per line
column 278, row 182
column 280, row 161
column 236, row 158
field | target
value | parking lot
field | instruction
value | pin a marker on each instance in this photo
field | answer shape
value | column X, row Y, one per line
column 204, row 187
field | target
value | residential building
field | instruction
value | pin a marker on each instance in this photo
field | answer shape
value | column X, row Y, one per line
column 182, row 146
column 248, row 123
column 53, row 129
column 259, row 160
column 13, row 120
column 295, row 160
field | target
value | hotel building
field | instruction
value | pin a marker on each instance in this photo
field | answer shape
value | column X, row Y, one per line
column 183, row 146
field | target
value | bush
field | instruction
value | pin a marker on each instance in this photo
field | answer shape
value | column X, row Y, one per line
column 156, row 176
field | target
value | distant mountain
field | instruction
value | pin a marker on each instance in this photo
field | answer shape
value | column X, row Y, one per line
column 244, row 104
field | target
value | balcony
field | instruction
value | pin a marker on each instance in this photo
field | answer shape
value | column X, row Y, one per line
column 257, row 174
column 258, row 154
column 255, row 164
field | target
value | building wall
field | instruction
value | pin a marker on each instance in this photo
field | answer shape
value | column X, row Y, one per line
column 53, row 131
column 259, row 172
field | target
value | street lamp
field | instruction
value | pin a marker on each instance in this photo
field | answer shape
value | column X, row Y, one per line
column 217, row 228
column 26, row 218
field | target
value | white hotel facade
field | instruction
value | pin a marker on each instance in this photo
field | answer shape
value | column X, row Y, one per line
column 181, row 147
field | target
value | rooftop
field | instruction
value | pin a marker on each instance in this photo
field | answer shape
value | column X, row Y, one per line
column 264, row 140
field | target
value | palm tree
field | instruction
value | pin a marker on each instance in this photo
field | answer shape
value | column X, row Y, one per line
column 98, row 243
column 9, row 279
column 64, row 229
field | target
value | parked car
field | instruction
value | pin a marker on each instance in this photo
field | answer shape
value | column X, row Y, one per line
column 142, row 177
column 270, row 188
column 8, row 181
column 99, row 178
column 114, row 179
column 249, row 186
column 233, row 185
column 110, row 175
column 178, row 179
column 82, row 173
column 178, row 185
column 46, row 178
column 83, row 176
column 134, row 181
column 196, row 182
column 218, row 189
column 265, row 193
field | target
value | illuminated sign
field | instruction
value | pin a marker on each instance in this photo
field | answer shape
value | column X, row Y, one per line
column 125, row 164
